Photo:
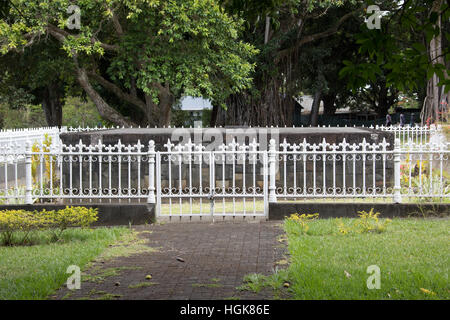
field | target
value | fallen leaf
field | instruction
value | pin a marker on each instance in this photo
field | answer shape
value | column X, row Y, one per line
column 427, row 291
column 282, row 262
column 348, row 275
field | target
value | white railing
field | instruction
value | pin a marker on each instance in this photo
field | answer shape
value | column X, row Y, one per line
column 20, row 137
column 364, row 170
column 416, row 134
column 220, row 177
column 228, row 181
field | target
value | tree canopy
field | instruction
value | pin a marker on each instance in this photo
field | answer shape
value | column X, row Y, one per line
column 145, row 53
column 252, row 58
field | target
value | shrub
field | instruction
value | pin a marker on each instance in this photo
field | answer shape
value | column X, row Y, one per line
column 13, row 221
column 19, row 223
column 71, row 217
column 367, row 222
column 302, row 220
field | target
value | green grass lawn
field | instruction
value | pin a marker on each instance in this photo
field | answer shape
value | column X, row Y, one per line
column 36, row 271
column 324, row 264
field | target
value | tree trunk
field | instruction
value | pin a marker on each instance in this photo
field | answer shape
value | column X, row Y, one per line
column 151, row 112
column 103, row 108
column 165, row 106
column 271, row 108
column 314, row 116
column 52, row 104
column 383, row 105
column 214, row 112
column 431, row 108
column 329, row 107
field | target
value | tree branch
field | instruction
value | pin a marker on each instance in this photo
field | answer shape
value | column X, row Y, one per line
column 103, row 108
column 117, row 91
column 117, row 25
column 317, row 36
column 61, row 36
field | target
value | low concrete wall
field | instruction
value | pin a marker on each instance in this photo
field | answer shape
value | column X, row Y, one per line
column 278, row 211
column 108, row 214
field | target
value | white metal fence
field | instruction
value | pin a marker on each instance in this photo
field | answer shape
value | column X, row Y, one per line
column 237, row 180
column 415, row 134
column 364, row 170
column 20, row 137
column 230, row 181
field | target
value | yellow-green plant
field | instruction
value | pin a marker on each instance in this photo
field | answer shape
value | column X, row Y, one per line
column 431, row 185
column 23, row 222
column 13, row 221
column 302, row 220
column 71, row 217
column 367, row 222
column 370, row 222
column 49, row 162
column 343, row 228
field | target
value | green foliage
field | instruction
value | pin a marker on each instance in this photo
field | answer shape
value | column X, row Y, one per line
column 13, row 221
column 256, row 282
column 36, row 272
column 411, row 256
column 27, row 116
column 50, row 176
column 22, row 222
column 71, row 217
column 162, row 48
column 302, row 221
column 398, row 50
column 80, row 113
column 200, row 57
column 367, row 222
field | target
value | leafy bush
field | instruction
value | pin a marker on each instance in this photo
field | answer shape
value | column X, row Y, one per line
column 17, row 224
column 302, row 220
column 12, row 221
column 71, row 217
column 367, row 222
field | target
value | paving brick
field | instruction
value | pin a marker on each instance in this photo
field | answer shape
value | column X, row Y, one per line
column 216, row 258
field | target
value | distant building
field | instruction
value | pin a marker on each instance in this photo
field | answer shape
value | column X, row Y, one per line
column 194, row 107
column 306, row 103
column 342, row 116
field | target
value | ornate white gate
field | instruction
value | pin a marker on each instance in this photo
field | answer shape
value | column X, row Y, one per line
column 230, row 181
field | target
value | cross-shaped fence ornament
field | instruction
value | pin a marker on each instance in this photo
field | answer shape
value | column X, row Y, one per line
column 284, row 145
column 169, row 145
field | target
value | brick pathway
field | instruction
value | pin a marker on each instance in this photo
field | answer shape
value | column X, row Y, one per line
column 216, row 258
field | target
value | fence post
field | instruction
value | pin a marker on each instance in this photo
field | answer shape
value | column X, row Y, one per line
column 397, row 160
column 151, row 172
column 272, row 171
column 28, row 174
